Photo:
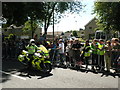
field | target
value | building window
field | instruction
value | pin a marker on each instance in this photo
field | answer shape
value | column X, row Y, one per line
column 90, row 27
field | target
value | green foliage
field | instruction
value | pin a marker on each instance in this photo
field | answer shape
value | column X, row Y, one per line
column 74, row 33
column 5, row 25
column 27, row 27
column 14, row 13
column 108, row 15
column 18, row 12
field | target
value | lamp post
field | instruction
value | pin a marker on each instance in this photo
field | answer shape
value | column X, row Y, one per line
column 53, row 26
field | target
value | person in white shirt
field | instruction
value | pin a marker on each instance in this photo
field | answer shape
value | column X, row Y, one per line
column 61, row 51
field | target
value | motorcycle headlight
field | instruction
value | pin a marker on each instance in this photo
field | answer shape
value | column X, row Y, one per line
column 21, row 57
column 24, row 52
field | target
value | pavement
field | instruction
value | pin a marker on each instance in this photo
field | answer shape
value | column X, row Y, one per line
column 14, row 75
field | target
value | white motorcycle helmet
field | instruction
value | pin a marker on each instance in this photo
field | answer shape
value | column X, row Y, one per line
column 32, row 41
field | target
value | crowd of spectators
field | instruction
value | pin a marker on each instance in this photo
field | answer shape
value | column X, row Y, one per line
column 12, row 48
column 99, row 54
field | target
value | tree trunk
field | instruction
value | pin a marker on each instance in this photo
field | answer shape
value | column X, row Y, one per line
column 47, row 20
column 32, row 27
column 45, row 33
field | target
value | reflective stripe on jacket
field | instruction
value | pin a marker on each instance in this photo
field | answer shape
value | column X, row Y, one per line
column 101, row 52
column 31, row 49
column 87, row 54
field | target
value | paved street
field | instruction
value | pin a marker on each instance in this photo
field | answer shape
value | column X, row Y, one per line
column 59, row 78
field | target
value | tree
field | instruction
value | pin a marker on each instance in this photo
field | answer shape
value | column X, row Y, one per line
column 14, row 13
column 17, row 13
column 35, row 13
column 108, row 15
column 74, row 33
column 27, row 27
column 58, row 8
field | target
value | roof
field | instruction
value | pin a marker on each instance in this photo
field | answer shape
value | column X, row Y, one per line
column 99, row 31
column 55, row 33
column 90, row 21
column 15, row 27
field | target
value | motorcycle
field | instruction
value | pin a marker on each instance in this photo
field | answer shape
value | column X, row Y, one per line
column 41, row 60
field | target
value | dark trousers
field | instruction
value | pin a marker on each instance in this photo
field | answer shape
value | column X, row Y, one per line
column 102, row 63
column 94, row 59
column 115, row 56
column 87, row 61
column 67, row 57
column 62, row 57
column 30, row 62
column 76, row 55
column 52, row 54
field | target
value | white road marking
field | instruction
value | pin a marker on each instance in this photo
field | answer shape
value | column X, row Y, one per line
column 13, row 75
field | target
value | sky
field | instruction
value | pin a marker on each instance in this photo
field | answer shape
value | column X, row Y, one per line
column 74, row 21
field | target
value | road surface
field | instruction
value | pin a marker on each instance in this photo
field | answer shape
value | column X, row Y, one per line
column 15, row 76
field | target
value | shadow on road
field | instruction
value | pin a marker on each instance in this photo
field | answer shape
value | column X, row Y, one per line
column 13, row 66
column 32, row 72
column 9, row 66
column 5, row 77
column 110, row 74
column 104, row 73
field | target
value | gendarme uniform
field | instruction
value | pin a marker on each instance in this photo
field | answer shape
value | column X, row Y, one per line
column 87, row 54
column 31, row 49
column 88, row 51
column 101, row 46
column 94, row 49
column 94, row 54
column 101, row 54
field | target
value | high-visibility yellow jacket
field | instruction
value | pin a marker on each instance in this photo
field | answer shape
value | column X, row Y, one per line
column 102, row 51
column 31, row 49
column 43, row 49
column 87, row 53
